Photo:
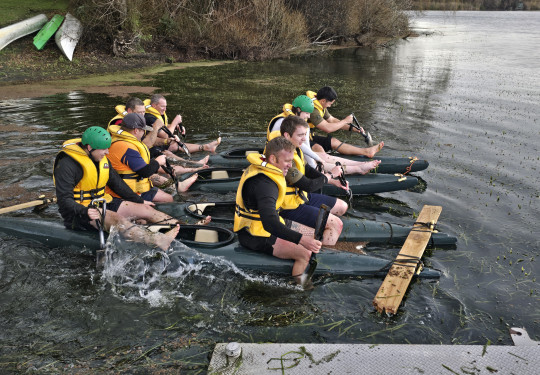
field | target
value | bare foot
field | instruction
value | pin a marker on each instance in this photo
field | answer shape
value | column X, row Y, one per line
column 204, row 221
column 371, row 151
column 203, row 161
column 183, row 186
column 164, row 240
column 212, row 145
column 370, row 165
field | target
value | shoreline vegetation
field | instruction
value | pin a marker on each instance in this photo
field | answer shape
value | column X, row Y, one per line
column 123, row 36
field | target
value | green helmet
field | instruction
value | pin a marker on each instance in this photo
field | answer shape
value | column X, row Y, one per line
column 97, row 137
column 303, row 102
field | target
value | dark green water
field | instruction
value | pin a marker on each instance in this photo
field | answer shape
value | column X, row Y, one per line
column 465, row 98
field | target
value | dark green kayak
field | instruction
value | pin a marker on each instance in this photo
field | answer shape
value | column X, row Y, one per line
column 53, row 234
column 354, row 229
column 47, row 31
column 224, row 180
column 389, row 165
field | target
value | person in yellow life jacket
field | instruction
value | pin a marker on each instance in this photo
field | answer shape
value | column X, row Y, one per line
column 136, row 105
column 131, row 159
column 321, row 119
column 302, row 106
column 156, row 108
column 259, row 198
column 82, row 172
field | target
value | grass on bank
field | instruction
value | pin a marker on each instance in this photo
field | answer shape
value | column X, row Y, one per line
column 12, row 11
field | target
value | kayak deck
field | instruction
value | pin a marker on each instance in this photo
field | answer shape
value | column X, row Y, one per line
column 389, row 165
column 53, row 234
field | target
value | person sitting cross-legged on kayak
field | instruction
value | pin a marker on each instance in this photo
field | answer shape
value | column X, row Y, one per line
column 81, row 173
column 260, row 195
column 323, row 120
column 302, row 106
column 131, row 159
column 156, row 108
column 136, row 105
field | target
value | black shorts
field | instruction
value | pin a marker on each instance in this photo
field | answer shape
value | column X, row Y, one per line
column 255, row 243
column 83, row 223
column 150, row 194
column 324, row 142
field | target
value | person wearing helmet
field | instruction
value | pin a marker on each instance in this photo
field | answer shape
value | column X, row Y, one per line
column 321, row 119
column 303, row 107
column 130, row 157
column 82, row 171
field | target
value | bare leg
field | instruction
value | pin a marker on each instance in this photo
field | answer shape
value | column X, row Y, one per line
column 350, row 166
column 347, row 149
column 158, row 180
column 133, row 211
column 210, row 147
column 288, row 250
column 204, row 221
column 136, row 233
column 162, row 197
column 331, row 233
column 180, row 170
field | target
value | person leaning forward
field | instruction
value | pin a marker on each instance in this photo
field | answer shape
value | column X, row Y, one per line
column 80, row 174
column 130, row 157
column 321, row 119
column 260, row 195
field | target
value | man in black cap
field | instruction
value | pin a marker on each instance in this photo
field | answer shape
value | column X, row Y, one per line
column 131, row 159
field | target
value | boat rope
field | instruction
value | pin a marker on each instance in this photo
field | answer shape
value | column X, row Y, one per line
column 409, row 167
column 432, row 227
column 409, row 261
column 391, row 232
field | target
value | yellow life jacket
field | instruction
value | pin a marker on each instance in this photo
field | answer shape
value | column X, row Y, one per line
column 294, row 197
column 92, row 185
column 154, row 112
column 250, row 219
column 318, row 107
column 121, row 113
column 287, row 111
column 138, row 184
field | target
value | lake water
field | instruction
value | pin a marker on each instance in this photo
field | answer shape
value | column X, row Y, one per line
column 463, row 95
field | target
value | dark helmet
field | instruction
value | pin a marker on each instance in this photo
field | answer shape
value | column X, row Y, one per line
column 97, row 137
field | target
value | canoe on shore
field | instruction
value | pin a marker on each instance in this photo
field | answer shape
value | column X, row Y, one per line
column 224, row 180
column 68, row 35
column 52, row 233
column 389, row 165
column 47, row 31
column 13, row 32
column 354, row 229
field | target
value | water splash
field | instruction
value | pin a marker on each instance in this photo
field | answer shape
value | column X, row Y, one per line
column 136, row 272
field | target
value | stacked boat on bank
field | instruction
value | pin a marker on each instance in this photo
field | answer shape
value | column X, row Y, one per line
column 66, row 30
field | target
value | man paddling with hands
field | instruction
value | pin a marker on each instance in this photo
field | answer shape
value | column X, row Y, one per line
column 81, row 173
column 260, row 196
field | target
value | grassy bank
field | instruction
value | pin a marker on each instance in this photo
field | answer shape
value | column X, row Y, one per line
column 132, row 34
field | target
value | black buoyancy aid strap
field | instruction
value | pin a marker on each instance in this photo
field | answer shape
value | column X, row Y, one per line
column 244, row 213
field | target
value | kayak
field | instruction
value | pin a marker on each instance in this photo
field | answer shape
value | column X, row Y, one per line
column 47, row 31
column 223, row 244
column 389, row 165
column 354, row 229
column 13, row 32
column 225, row 179
column 68, row 35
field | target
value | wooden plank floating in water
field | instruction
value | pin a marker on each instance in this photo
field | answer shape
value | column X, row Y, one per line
column 394, row 286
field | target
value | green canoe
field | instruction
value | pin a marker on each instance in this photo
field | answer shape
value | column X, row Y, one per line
column 47, row 31
column 53, row 234
column 389, row 165
column 224, row 180
column 354, row 229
